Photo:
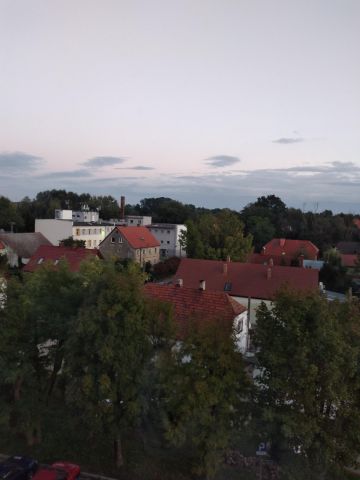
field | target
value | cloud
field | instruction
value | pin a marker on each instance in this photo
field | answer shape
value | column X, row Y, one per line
column 287, row 141
column 221, row 161
column 137, row 167
column 83, row 172
column 19, row 162
column 97, row 162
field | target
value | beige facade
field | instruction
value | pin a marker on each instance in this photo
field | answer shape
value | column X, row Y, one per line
column 116, row 245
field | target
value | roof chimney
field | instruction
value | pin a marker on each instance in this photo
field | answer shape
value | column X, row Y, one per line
column 268, row 273
column 228, row 259
column 282, row 242
column 202, row 285
column 179, row 282
column 122, row 208
column 271, row 262
column 225, row 269
column 263, row 250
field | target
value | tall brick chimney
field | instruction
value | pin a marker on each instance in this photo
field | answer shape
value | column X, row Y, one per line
column 122, row 208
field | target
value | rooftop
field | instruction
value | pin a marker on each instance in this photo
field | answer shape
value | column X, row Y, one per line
column 53, row 255
column 24, row 244
column 203, row 305
column 245, row 279
column 290, row 247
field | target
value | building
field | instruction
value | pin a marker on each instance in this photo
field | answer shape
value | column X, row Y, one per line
column 202, row 306
column 137, row 220
column 84, row 215
column 53, row 255
column 135, row 243
column 293, row 251
column 168, row 234
column 19, row 247
column 247, row 283
column 92, row 233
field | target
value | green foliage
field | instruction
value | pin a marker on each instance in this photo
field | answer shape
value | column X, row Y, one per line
column 71, row 242
column 217, row 236
column 205, row 392
column 9, row 216
column 309, row 387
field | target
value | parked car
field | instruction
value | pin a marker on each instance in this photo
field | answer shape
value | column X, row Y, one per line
column 18, row 468
column 58, row 471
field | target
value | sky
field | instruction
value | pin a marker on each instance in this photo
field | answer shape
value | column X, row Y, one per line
column 210, row 102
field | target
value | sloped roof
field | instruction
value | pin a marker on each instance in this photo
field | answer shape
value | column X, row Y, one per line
column 348, row 248
column 24, row 244
column 348, row 260
column 204, row 305
column 138, row 237
column 290, row 247
column 263, row 259
column 245, row 279
column 49, row 253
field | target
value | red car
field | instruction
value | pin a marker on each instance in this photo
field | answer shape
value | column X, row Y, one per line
column 58, row 471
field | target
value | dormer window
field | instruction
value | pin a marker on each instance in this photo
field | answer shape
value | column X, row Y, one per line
column 227, row 287
column 40, row 260
column 56, row 261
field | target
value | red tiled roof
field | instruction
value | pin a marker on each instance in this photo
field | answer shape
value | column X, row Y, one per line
column 49, row 253
column 203, row 305
column 348, row 260
column 245, row 279
column 138, row 237
column 263, row 259
column 291, row 248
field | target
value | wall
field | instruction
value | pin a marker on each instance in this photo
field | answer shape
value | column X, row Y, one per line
column 54, row 230
column 254, row 304
column 242, row 336
column 168, row 236
column 93, row 235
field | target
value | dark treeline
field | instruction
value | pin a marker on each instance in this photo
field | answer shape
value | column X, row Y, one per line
column 264, row 219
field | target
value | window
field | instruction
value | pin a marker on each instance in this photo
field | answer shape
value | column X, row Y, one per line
column 120, row 240
column 162, row 241
column 112, row 239
column 131, row 221
column 227, row 287
column 168, row 241
column 83, row 231
column 137, row 252
column 168, row 231
column 89, row 231
column 154, row 250
column 77, row 231
column 240, row 325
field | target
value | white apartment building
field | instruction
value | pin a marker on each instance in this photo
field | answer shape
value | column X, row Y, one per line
column 168, row 234
column 55, row 230
column 137, row 220
column 84, row 215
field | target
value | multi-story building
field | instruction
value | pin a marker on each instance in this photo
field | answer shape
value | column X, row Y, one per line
column 135, row 243
column 55, row 230
column 83, row 215
column 136, row 220
column 169, row 237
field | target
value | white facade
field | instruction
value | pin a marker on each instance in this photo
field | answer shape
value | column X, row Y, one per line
column 254, row 305
column 137, row 220
column 77, row 216
column 241, row 331
column 56, row 230
column 168, row 234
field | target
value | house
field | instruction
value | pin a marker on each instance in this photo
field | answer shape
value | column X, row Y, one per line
column 249, row 284
column 135, row 243
column 169, row 235
column 202, row 305
column 293, row 251
column 52, row 255
column 19, row 247
column 348, row 248
column 92, row 233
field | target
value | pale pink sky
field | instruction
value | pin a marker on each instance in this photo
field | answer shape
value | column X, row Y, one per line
column 267, row 90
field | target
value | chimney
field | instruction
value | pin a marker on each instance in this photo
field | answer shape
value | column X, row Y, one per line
column 271, row 262
column 282, row 242
column 225, row 269
column 179, row 282
column 263, row 250
column 268, row 273
column 228, row 259
column 122, row 208
column 202, row 285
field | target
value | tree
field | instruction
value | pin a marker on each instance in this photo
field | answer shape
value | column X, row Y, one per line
column 36, row 322
column 73, row 243
column 9, row 216
column 308, row 395
column 110, row 349
column 204, row 393
column 261, row 229
column 217, row 237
